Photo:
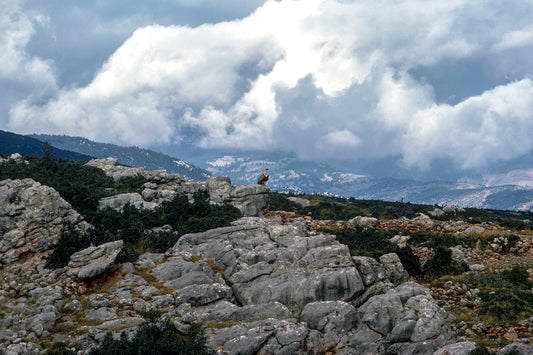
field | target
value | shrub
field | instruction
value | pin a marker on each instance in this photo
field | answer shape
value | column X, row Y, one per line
column 59, row 348
column 155, row 338
column 443, row 264
column 131, row 225
column 518, row 275
column 280, row 202
column 507, row 305
column 70, row 242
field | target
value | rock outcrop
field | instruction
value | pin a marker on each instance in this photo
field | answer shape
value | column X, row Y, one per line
column 307, row 276
column 32, row 217
column 251, row 200
column 259, row 286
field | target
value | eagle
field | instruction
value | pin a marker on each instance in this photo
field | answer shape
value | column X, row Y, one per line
column 263, row 178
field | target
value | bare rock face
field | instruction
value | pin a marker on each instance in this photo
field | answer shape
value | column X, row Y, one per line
column 288, row 267
column 312, row 277
column 93, row 261
column 32, row 217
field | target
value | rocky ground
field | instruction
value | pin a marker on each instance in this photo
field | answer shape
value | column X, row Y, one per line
column 265, row 285
column 456, row 297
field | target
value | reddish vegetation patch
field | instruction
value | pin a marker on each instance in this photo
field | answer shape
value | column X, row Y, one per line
column 106, row 280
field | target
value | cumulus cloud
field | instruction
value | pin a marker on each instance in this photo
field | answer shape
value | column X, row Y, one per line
column 515, row 39
column 326, row 79
column 16, row 30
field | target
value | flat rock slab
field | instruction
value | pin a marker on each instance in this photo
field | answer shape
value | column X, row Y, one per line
column 93, row 261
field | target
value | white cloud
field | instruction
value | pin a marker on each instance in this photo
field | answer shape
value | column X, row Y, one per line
column 16, row 30
column 515, row 39
column 322, row 78
column 494, row 126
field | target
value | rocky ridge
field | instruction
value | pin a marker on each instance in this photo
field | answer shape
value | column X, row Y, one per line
column 251, row 200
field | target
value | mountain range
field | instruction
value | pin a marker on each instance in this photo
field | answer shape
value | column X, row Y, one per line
column 289, row 174
column 129, row 156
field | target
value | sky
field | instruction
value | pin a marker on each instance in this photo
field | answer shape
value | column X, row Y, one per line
column 419, row 81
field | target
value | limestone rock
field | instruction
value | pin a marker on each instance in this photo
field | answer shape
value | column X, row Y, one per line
column 32, row 217
column 117, row 202
column 458, row 255
column 333, row 318
column 394, row 268
column 93, row 261
column 403, row 320
column 270, row 336
column 461, row 348
column 251, row 200
column 474, row 230
column 288, row 267
column 423, row 221
column 517, row 348
column 111, row 168
column 364, row 221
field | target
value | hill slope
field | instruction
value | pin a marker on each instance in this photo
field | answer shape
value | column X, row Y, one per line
column 11, row 143
column 130, row 156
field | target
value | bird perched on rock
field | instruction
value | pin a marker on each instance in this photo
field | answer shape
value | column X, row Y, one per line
column 263, row 178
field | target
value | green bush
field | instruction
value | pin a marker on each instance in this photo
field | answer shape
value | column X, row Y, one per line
column 280, row 202
column 80, row 185
column 132, row 226
column 155, row 338
column 443, row 264
column 507, row 305
column 70, row 242
column 518, row 275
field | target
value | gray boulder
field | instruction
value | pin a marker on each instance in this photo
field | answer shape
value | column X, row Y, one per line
column 32, row 217
column 461, row 348
column 403, row 320
column 370, row 269
column 93, row 261
column 270, row 262
column 394, row 269
column 99, row 314
column 269, row 336
column 111, row 168
column 118, row 202
column 364, row 221
column 251, row 200
column 517, row 348
column 474, row 230
column 332, row 318
column 41, row 322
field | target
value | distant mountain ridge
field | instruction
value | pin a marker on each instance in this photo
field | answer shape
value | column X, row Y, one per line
column 130, row 156
column 11, row 143
column 292, row 175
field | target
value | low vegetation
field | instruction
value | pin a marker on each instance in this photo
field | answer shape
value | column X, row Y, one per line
column 158, row 337
column 134, row 226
